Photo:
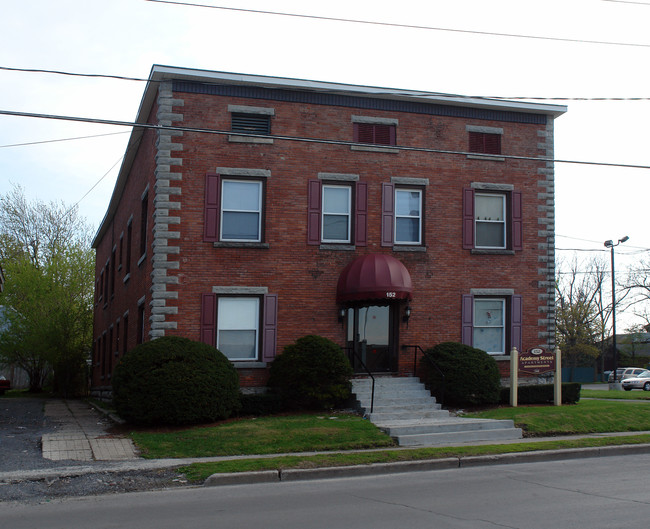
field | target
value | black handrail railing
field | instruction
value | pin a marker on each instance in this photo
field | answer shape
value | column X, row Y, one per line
column 372, row 391
column 417, row 348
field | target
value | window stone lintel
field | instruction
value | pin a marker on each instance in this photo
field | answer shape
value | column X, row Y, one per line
column 343, row 177
column 240, row 290
column 407, row 180
column 486, row 186
column 492, row 292
column 245, row 109
column 484, row 130
column 240, row 171
column 375, row 120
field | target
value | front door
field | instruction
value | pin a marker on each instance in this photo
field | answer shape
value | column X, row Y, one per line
column 371, row 338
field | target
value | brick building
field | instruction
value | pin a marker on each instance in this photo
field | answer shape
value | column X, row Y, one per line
column 250, row 211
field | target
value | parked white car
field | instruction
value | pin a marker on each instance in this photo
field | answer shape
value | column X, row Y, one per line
column 641, row 381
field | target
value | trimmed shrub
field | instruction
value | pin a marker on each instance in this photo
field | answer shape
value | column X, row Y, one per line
column 471, row 376
column 175, row 381
column 312, row 373
column 260, row 404
column 543, row 394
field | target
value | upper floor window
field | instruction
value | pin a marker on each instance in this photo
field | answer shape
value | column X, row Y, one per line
column 402, row 215
column 336, row 213
column 492, row 218
column 144, row 222
column 337, row 209
column 408, row 216
column 241, row 210
column 234, row 206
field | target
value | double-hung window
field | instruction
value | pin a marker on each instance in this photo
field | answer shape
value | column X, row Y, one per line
column 402, row 215
column 337, row 213
column 238, row 327
column 241, row 322
column 492, row 320
column 489, row 325
column 234, row 206
column 492, row 218
column 408, row 216
column 241, row 210
column 337, row 210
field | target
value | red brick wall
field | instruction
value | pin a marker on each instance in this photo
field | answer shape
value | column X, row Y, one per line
column 304, row 276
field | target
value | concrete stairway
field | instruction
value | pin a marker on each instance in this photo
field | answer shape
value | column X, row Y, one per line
column 406, row 411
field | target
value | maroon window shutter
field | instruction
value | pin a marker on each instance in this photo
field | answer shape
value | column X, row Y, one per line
column 387, row 214
column 211, row 227
column 313, row 212
column 475, row 142
column 270, row 332
column 467, row 320
column 361, row 214
column 517, row 221
column 516, row 321
column 209, row 319
column 468, row 218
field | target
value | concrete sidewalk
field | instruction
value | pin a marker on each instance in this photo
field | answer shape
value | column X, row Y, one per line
column 82, row 434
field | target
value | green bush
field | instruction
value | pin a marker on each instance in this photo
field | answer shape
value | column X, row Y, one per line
column 471, row 376
column 312, row 373
column 543, row 394
column 260, row 404
column 175, row 381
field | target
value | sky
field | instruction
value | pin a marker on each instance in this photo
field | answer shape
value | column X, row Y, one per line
column 582, row 49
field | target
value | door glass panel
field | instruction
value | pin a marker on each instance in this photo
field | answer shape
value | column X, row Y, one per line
column 373, row 325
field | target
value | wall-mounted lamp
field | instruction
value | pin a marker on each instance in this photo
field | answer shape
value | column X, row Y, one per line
column 407, row 313
column 341, row 314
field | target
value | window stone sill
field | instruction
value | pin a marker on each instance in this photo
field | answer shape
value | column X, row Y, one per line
column 374, row 148
column 338, row 247
column 481, row 251
column 249, row 365
column 254, row 245
column 233, row 138
column 410, row 249
column 486, row 157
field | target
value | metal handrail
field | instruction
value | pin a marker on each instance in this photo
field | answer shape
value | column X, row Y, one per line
column 372, row 391
column 417, row 348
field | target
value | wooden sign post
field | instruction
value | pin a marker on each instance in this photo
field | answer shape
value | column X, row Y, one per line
column 535, row 361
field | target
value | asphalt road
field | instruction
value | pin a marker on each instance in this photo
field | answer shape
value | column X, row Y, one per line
column 594, row 493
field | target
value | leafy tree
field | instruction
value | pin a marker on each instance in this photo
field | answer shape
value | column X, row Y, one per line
column 48, row 294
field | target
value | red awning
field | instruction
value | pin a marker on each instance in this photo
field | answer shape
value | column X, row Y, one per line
column 374, row 277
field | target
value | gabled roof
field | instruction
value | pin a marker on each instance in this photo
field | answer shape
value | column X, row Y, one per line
column 163, row 73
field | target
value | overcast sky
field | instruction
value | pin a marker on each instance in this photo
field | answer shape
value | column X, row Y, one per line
column 126, row 37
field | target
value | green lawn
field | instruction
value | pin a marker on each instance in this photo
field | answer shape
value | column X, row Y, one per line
column 265, row 435
column 295, row 434
column 622, row 395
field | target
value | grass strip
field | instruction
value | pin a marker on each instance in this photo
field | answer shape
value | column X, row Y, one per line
column 588, row 416
column 198, row 472
column 264, row 435
column 619, row 395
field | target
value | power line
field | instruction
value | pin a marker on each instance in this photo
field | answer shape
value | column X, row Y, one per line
column 406, row 26
column 308, row 140
column 387, row 92
column 61, row 139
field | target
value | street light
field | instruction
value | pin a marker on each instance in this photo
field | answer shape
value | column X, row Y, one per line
column 610, row 244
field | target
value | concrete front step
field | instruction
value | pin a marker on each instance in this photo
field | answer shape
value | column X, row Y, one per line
column 449, row 425
column 447, row 438
column 406, row 411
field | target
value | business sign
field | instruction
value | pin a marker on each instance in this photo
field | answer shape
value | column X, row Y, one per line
column 537, row 361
